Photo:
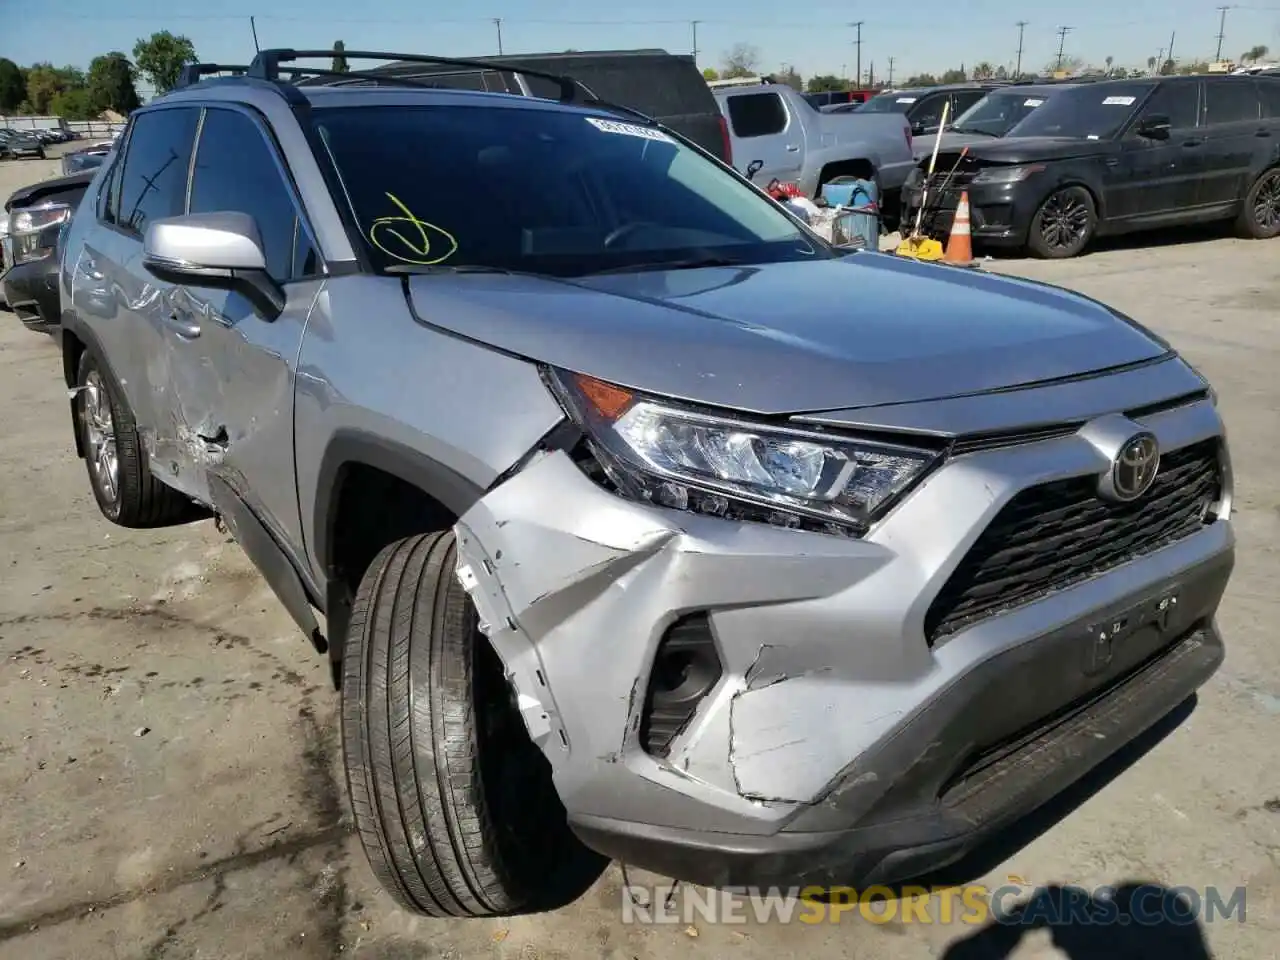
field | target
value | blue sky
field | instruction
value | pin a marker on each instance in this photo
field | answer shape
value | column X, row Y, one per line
column 927, row 35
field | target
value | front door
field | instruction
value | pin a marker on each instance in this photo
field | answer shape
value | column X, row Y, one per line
column 1152, row 178
column 231, row 372
column 764, row 130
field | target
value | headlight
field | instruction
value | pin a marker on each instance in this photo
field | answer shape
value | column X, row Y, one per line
column 674, row 456
column 1007, row 174
column 35, row 230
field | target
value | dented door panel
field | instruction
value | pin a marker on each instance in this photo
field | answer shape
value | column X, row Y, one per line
column 230, row 382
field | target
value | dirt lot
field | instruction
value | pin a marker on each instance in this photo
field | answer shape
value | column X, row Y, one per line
column 172, row 784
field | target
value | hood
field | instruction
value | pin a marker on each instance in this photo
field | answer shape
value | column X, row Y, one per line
column 798, row 337
column 1033, row 149
column 922, row 147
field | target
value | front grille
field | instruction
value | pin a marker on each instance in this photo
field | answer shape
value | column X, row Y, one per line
column 944, row 178
column 1059, row 534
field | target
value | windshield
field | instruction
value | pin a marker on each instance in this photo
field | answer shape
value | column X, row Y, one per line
column 996, row 113
column 1085, row 113
column 899, row 102
column 544, row 191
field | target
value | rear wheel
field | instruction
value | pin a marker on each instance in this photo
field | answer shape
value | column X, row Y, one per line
column 1064, row 224
column 453, row 802
column 123, row 485
column 1259, row 216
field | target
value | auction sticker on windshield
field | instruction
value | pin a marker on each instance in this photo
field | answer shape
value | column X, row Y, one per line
column 629, row 129
column 1119, row 101
column 906, row 100
column 1032, row 103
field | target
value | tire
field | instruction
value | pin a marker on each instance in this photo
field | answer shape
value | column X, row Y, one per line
column 1064, row 224
column 1259, row 217
column 136, row 499
column 453, row 802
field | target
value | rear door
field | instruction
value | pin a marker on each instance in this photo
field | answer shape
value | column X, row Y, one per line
column 1232, row 123
column 764, row 130
column 1157, row 178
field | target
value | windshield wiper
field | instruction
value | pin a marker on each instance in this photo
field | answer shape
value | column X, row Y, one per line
column 974, row 132
column 690, row 264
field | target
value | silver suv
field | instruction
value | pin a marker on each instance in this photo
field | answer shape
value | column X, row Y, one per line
column 642, row 523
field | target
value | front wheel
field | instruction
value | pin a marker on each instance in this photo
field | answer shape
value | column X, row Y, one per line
column 1259, row 216
column 1064, row 224
column 453, row 801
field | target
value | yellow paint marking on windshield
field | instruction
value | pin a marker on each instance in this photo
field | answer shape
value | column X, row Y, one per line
column 417, row 246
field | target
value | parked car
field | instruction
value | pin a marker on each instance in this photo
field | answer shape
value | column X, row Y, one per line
column 1121, row 156
column 830, row 98
column 775, row 126
column 36, row 217
column 991, row 117
column 643, row 521
column 668, row 87
column 87, row 159
column 923, row 107
column 15, row 144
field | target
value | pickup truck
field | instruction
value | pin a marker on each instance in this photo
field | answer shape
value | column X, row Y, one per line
column 775, row 125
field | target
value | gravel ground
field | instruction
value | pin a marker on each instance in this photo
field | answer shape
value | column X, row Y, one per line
column 172, row 784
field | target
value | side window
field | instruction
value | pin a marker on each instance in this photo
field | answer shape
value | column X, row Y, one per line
column 1177, row 101
column 1230, row 100
column 928, row 112
column 153, row 180
column 757, row 114
column 236, row 170
column 963, row 100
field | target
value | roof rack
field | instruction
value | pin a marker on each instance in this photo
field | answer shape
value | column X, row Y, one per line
column 195, row 72
column 267, row 66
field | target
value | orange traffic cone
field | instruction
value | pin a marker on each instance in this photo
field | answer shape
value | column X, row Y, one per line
column 959, row 247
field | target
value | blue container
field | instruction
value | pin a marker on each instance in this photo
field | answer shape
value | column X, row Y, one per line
column 858, row 194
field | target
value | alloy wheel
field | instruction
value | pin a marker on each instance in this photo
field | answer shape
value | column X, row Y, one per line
column 1064, row 221
column 100, row 437
column 1266, row 202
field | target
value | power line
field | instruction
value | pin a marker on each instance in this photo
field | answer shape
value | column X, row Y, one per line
column 1062, row 40
column 858, row 59
column 1017, row 71
column 1222, row 27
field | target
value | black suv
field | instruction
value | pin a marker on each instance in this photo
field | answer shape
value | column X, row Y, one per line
column 1117, row 157
column 923, row 107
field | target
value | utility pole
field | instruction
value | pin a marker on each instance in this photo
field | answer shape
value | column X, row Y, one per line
column 497, row 22
column 254, row 27
column 857, row 77
column 890, row 80
column 1159, row 62
column 1017, row 71
column 1169, row 59
column 1222, row 28
column 871, row 74
column 694, row 25
column 1062, row 41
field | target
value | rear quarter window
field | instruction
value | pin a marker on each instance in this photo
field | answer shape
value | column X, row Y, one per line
column 1269, row 91
column 1230, row 100
column 757, row 114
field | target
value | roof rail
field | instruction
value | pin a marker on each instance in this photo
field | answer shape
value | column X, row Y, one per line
column 266, row 65
column 195, row 72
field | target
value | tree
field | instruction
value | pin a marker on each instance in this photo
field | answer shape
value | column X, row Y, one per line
column 984, row 71
column 340, row 59
column 75, row 103
column 43, row 84
column 1254, row 54
column 742, row 60
column 13, row 86
column 710, row 73
column 825, row 82
column 1002, row 72
column 1167, row 68
column 1109, row 61
column 789, row 76
column 954, row 76
column 921, row 80
column 1151, row 63
column 110, row 84
column 161, row 57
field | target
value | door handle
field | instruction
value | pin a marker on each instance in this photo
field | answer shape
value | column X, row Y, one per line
column 184, row 327
column 1263, row 133
column 792, row 147
column 1192, row 143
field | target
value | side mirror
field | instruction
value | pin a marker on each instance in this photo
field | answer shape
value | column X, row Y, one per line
column 218, row 250
column 917, row 129
column 1155, row 127
column 753, row 168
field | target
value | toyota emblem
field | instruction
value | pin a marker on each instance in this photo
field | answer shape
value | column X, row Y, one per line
column 1133, row 470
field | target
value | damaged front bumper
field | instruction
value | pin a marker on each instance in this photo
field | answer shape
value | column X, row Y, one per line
column 839, row 740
